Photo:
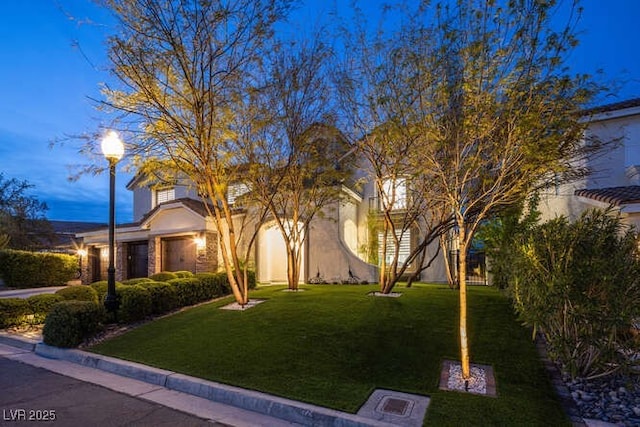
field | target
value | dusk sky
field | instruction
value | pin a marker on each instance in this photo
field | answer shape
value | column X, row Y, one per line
column 53, row 57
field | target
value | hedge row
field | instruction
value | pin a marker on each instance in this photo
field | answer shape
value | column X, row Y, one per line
column 23, row 269
column 81, row 315
column 17, row 311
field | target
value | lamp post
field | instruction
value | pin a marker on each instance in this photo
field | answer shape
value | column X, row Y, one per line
column 113, row 150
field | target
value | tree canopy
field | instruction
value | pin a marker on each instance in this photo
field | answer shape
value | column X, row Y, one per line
column 22, row 221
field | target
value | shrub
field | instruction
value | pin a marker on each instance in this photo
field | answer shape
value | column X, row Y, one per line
column 71, row 322
column 13, row 312
column 101, row 288
column 164, row 297
column 190, row 290
column 137, row 281
column 78, row 293
column 23, row 269
column 183, row 274
column 135, row 303
column 251, row 281
column 163, row 276
column 214, row 284
column 579, row 285
column 41, row 305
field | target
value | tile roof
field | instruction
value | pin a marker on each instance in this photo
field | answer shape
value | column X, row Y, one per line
column 614, row 195
column 628, row 103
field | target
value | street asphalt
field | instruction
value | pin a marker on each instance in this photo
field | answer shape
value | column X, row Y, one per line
column 32, row 382
column 32, row 396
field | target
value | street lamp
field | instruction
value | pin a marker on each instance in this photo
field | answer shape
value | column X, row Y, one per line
column 113, row 150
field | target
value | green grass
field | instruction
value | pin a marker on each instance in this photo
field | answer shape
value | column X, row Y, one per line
column 333, row 345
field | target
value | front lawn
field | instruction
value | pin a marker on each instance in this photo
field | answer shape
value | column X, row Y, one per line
column 333, row 345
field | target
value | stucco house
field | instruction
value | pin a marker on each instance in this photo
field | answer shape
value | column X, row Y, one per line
column 615, row 174
column 172, row 230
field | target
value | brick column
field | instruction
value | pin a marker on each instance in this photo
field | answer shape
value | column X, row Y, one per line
column 207, row 257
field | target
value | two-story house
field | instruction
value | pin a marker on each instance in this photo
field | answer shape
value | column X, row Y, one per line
column 615, row 173
column 172, row 230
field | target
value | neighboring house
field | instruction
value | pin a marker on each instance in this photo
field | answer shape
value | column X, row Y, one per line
column 64, row 234
column 615, row 174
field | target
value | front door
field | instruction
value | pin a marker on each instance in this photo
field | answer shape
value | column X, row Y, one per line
column 137, row 259
column 178, row 254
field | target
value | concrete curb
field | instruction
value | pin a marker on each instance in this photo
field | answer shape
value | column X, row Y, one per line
column 262, row 403
column 120, row 367
column 19, row 342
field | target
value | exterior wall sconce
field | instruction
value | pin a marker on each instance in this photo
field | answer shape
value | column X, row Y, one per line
column 201, row 241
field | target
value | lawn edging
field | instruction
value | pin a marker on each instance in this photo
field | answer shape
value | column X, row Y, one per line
column 274, row 406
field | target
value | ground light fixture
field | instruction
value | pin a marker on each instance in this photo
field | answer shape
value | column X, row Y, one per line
column 113, row 150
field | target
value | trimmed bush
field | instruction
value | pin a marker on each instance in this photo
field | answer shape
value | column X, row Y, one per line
column 251, row 276
column 190, row 291
column 214, row 284
column 164, row 297
column 163, row 276
column 79, row 293
column 137, row 281
column 101, row 288
column 13, row 312
column 71, row 322
column 41, row 305
column 183, row 274
column 23, row 269
column 135, row 303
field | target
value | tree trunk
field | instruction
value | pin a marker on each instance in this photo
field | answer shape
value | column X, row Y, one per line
column 293, row 268
column 462, row 280
column 447, row 264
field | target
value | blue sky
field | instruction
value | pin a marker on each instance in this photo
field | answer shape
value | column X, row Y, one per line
column 53, row 58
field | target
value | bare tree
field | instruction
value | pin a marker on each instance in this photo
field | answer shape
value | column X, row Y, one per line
column 299, row 159
column 186, row 69
column 378, row 106
column 22, row 217
column 498, row 113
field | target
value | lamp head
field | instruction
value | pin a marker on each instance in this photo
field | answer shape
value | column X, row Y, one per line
column 112, row 146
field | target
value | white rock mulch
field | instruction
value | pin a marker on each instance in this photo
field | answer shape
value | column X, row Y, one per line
column 476, row 384
column 235, row 306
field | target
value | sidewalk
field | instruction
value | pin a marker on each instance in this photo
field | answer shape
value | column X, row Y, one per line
column 26, row 293
column 205, row 399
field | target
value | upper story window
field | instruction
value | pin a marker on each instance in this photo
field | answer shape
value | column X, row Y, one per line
column 164, row 195
column 394, row 193
column 236, row 190
column 632, row 152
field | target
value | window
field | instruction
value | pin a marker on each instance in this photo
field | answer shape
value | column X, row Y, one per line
column 632, row 153
column 236, row 190
column 403, row 251
column 164, row 195
column 394, row 193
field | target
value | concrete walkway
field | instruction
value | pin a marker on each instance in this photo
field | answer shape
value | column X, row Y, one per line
column 205, row 399
column 26, row 293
